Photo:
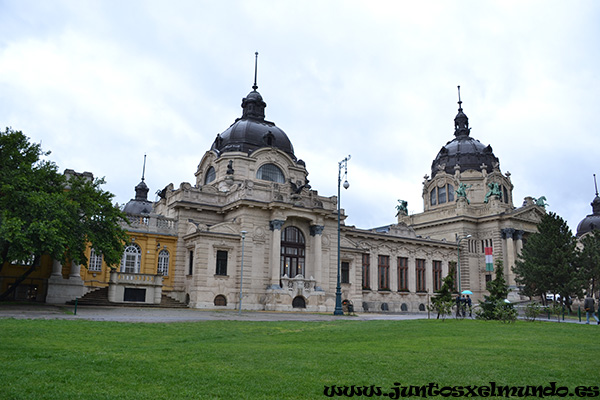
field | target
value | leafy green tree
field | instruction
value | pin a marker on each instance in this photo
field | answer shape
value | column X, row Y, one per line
column 43, row 212
column 588, row 260
column 442, row 301
column 547, row 261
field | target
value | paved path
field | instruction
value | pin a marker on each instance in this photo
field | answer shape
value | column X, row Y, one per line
column 135, row 314
column 139, row 314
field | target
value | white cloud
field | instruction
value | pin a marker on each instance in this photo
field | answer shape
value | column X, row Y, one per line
column 102, row 83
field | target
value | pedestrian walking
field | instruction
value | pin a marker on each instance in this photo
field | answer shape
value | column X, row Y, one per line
column 588, row 306
column 469, row 306
column 459, row 301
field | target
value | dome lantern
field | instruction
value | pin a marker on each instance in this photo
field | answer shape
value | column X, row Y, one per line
column 464, row 152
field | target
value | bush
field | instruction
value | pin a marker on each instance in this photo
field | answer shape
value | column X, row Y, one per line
column 532, row 311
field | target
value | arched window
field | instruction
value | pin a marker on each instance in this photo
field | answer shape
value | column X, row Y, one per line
column 210, row 175
column 270, row 172
column 220, row 300
column 131, row 261
column 292, row 252
column 450, row 193
column 95, row 261
column 441, row 195
column 163, row 263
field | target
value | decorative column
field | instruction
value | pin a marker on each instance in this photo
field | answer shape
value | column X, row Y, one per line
column 412, row 274
column 56, row 269
column 374, row 266
column 507, row 233
column 429, row 275
column 393, row 273
column 316, row 231
column 275, row 226
column 75, row 271
column 518, row 239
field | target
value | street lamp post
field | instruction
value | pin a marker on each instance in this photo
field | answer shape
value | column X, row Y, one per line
column 242, row 272
column 338, row 290
column 458, row 240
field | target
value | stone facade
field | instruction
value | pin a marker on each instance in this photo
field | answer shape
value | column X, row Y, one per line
column 251, row 229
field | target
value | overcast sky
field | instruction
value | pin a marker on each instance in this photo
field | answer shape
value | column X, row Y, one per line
column 101, row 83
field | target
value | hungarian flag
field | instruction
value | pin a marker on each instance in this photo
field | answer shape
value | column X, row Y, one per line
column 489, row 259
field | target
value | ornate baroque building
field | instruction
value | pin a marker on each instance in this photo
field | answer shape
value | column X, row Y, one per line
column 468, row 201
column 251, row 225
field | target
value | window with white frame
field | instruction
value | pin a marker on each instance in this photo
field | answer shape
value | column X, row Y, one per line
column 132, row 259
column 95, row 261
column 270, row 172
column 163, row 263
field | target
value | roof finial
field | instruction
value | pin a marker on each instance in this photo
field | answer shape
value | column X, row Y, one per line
column 596, row 184
column 255, row 69
column 459, row 101
column 144, row 169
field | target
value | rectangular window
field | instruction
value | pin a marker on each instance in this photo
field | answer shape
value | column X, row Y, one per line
column 191, row 263
column 345, row 273
column 134, row 294
column 442, row 195
column 221, row 263
column 421, row 284
column 384, row 273
column 450, row 193
column 437, row 275
column 453, row 271
column 366, row 271
column 95, row 261
column 402, row 274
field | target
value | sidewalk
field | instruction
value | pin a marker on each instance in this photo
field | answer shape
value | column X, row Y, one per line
column 156, row 315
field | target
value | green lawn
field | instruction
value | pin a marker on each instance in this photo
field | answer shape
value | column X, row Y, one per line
column 57, row 359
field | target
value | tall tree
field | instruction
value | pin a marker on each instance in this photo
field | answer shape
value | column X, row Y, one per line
column 547, row 262
column 442, row 301
column 588, row 260
column 41, row 212
column 494, row 305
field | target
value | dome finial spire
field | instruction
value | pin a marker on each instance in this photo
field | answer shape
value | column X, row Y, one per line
column 596, row 184
column 144, row 168
column 459, row 101
column 255, row 70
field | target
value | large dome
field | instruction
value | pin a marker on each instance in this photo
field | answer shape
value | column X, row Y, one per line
column 252, row 131
column 592, row 221
column 464, row 151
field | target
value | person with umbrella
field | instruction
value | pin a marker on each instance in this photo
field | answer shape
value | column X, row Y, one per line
column 468, row 302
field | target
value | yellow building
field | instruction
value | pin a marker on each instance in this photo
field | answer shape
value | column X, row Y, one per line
column 144, row 274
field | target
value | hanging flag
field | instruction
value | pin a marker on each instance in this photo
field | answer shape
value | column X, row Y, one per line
column 489, row 259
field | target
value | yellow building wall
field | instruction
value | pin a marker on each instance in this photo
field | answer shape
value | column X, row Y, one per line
column 150, row 245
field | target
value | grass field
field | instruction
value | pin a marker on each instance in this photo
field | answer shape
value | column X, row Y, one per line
column 57, row 359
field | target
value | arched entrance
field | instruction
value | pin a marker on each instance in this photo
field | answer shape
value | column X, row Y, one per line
column 299, row 302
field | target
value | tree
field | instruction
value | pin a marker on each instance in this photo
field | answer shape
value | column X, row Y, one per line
column 442, row 301
column 494, row 305
column 547, row 261
column 43, row 212
column 588, row 260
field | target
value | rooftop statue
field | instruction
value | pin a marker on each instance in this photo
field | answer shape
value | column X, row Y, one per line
column 494, row 191
column 462, row 192
column 402, row 207
column 541, row 202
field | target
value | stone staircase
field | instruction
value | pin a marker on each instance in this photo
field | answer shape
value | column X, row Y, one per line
column 99, row 297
